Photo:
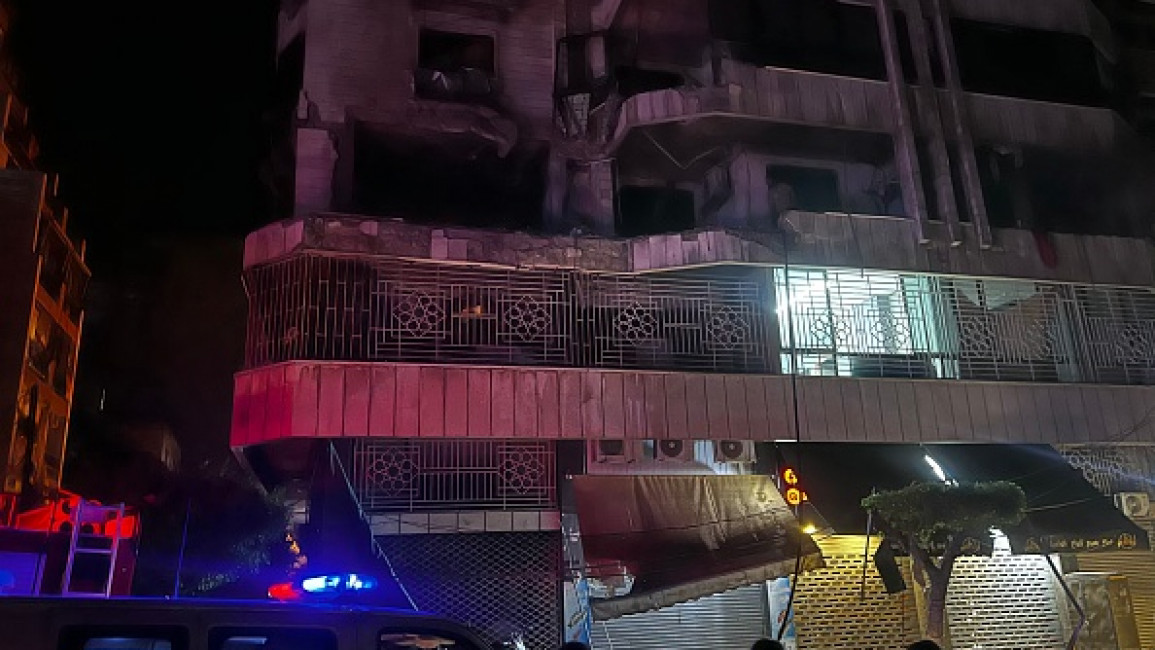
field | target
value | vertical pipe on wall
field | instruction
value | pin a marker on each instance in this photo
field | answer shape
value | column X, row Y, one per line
column 905, row 153
column 972, row 187
column 930, row 119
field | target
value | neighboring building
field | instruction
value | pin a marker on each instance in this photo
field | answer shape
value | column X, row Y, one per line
column 51, row 541
column 542, row 239
column 43, row 298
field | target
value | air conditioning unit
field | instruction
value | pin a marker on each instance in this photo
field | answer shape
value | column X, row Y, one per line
column 614, row 451
column 1133, row 504
column 734, row 451
column 681, row 451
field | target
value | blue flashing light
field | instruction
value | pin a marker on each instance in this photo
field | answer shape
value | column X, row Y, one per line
column 332, row 584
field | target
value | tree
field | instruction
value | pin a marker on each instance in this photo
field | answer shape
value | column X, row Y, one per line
column 236, row 542
column 945, row 520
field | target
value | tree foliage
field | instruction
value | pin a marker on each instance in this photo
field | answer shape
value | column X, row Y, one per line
column 932, row 521
column 235, row 544
column 933, row 512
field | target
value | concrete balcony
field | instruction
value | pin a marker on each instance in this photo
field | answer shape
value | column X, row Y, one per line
column 355, row 400
column 824, row 100
column 764, row 93
column 1001, row 120
column 823, row 239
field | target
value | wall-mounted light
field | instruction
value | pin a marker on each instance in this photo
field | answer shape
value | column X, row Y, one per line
column 936, row 468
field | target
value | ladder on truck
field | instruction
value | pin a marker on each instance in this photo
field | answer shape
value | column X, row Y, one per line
column 91, row 547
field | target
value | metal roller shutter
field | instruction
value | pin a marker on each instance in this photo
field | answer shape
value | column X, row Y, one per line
column 733, row 619
column 1139, row 568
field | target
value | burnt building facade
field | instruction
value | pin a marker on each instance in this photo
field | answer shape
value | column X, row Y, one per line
column 538, row 239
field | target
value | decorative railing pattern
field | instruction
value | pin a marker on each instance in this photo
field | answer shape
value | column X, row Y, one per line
column 811, row 321
column 406, row 475
column 342, row 308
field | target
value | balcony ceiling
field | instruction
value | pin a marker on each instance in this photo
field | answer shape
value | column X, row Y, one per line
column 693, row 146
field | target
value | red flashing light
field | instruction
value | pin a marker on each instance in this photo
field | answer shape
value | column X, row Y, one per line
column 284, row 591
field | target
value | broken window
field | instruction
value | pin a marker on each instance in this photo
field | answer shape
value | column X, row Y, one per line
column 810, row 189
column 454, row 67
column 817, row 35
column 654, row 210
column 452, row 179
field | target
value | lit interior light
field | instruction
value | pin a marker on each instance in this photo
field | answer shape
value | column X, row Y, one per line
column 810, row 529
column 338, row 582
column 1002, row 544
column 318, row 584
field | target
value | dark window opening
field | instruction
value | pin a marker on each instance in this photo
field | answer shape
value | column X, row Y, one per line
column 632, row 81
column 654, row 210
column 1029, row 63
column 808, row 189
column 926, row 175
column 458, row 180
column 291, row 68
column 1044, row 190
column 454, row 67
column 583, row 62
column 997, row 172
column 816, row 35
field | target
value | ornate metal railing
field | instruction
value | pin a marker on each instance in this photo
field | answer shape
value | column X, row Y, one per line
column 881, row 324
column 342, row 308
column 812, row 321
column 406, row 475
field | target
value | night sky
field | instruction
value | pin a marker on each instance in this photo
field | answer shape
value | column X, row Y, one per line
column 155, row 116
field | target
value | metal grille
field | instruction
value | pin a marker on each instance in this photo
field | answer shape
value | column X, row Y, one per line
column 1104, row 466
column 879, row 324
column 502, row 584
column 833, row 611
column 343, row 308
column 404, row 475
column 731, row 619
column 829, row 321
column 645, row 322
column 1117, row 327
column 1003, row 602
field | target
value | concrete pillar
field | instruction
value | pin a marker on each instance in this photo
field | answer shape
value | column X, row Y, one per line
column 316, row 158
column 556, row 185
column 589, row 201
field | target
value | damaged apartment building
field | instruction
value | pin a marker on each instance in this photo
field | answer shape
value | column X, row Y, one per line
column 535, row 250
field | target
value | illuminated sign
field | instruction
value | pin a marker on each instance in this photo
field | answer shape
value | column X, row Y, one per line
column 794, row 494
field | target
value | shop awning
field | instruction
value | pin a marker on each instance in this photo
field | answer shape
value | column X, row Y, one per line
column 669, row 539
column 1065, row 513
